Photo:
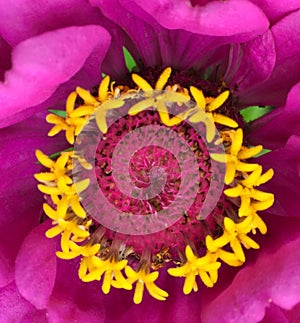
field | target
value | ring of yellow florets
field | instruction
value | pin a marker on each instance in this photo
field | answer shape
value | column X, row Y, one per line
column 102, row 259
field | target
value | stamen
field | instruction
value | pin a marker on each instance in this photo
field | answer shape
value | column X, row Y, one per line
column 233, row 157
column 143, row 278
column 71, row 102
column 112, row 273
column 214, row 247
column 218, row 101
column 199, row 97
column 141, row 83
column 215, row 104
column 206, row 267
column 237, row 235
column 101, row 113
column 163, row 79
column 103, row 89
column 141, row 106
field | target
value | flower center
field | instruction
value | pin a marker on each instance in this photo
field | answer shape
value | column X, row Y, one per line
column 158, row 173
column 153, row 170
column 156, row 176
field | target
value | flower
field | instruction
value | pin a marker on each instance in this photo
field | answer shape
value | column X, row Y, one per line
column 59, row 46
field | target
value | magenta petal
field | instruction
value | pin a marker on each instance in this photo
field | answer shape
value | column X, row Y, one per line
column 274, row 314
column 275, row 128
column 177, row 308
column 114, row 62
column 19, row 194
column 294, row 314
column 137, row 27
column 276, row 10
column 35, row 317
column 281, row 230
column 13, row 305
column 36, row 267
column 12, row 235
column 253, row 63
column 5, row 57
column 72, row 300
column 170, row 44
column 285, row 74
column 217, row 18
column 154, row 44
column 42, row 63
column 272, row 279
column 21, row 202
column 286, row 180
column 22, row 19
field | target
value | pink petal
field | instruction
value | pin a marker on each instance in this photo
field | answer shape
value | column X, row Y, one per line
column 5, row 53
column 72, row 300
column 12, row 235
column 156, row 45
column 275, row 10
column 36, row 267
column 35, row 317
column 294, row 314
column 42, row 63
column 13, row 305
column 114, row 62
column 168, row 47
column 252, row 63
column 18, row 189
column 281, row 230
column 272, row 279
column 276, row 127
column 286, row 180
column 284, row 76
column 22, row 19
column 177, row 308
column 274, row 314
column 141, row 33
column 21, row 202
column 216, row 18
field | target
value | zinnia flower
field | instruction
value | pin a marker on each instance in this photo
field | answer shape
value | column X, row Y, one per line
column 196, row 65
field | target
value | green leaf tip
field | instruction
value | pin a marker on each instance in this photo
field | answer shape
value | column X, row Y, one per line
column 255, row 112
column 129, row 60
column 60, row 113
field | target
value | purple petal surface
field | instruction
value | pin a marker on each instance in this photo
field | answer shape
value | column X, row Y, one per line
column 37, row 316
column 72, row 300
column 216, row 18
column 141, row 33
column 37, row 252
column 276, row 10
column 281, row 230
column 286, row 180
column 5, row 57
column 274, row 314
column 252, row 63
column 258, row 285
column 21, row 202
column 85, row 302
column 23, row 19
column 42, row 63
column 156, row 45
column 294, row 314
column 287, row 66
column 13, row 305
column 276, row 127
